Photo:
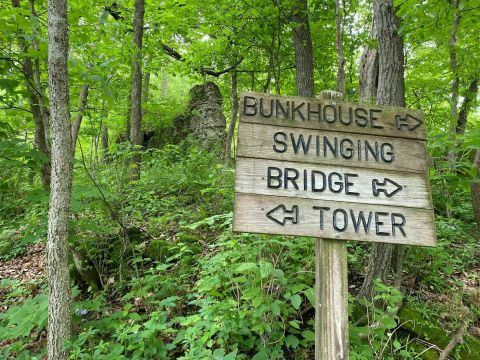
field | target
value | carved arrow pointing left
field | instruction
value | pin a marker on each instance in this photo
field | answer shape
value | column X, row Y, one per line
column 280, row 214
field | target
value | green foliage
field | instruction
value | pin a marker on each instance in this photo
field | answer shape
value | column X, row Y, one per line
column 378, row 339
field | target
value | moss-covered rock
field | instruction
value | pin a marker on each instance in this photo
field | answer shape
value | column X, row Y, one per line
column 415, row 322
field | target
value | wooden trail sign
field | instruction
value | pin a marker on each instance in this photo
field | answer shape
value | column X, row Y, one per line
column 336, row 171
column 332, row 169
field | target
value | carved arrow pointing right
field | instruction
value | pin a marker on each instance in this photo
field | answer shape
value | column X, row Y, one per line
column 377, row 190
column 409, row 121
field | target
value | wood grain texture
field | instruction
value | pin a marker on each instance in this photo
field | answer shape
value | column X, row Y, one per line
column 331, row 307
column 379, row 120
column 257, row 140
column 252, row 176
column 250, row 216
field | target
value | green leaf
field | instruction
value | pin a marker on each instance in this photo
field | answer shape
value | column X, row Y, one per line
column 246, row 267
column 310, row 295
column 292, row 341
column 296, row 300
column 266, row 269
column 308, row 335
column 294, row 324
column 261, row 355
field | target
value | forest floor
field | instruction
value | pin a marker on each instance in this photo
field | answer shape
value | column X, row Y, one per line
column 28, row 266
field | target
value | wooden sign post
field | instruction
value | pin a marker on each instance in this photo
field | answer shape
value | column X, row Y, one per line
column 335, row 171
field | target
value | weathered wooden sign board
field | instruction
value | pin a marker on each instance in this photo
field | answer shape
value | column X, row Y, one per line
column 332, row 169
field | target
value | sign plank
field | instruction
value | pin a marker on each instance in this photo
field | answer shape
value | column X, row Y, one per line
column 327, row 182
column 318, row 146
column 333, row 219
column 332, row 115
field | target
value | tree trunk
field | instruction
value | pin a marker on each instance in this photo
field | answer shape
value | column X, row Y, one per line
column 452, row 44
column 470, row 96
column 475, row 187
column 233, row 121
column 82, row 102
column 146, row 87
column 59, row 297
column 105, row 155
column 40, row 140
column 339, row 46
column 38, row 81
column 302, row 43
column 368, row 71
column 136, row 97
column 391, row 91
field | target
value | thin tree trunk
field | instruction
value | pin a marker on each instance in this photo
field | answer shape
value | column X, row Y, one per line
column 475, row 187
column 302, row 42
column 59, row 297
column 136, row 96
column 82, row 102
column 339, row 46
column 39, row 134
column 470, row 96
column 452, row 44
column 38, row 81
column 146, row 87
column 105, row 154
column 391, row 91
column 233, row 121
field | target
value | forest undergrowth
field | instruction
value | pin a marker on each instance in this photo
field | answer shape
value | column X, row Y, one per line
column 157, row 273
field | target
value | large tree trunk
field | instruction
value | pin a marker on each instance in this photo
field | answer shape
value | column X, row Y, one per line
column 391, row 91
column 82, row 102
column 339, row 46
column 40, row 140
column 233, row 121
column 59, row 297
column 302, row 43
column 475, row 187
column 136, row 97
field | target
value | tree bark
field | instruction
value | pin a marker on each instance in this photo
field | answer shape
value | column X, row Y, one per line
column 391, row 91
column 368, row 71
column 38, row 81
column 452, row 44
column 339, row 45
column 40, row 140
column 475, row 187
column 470, row 96
column 233, row 121
column 136, row 137
column 59, row 297
column 105, row 154
column 82, row 102
column 391, row 83
column 302, row 43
